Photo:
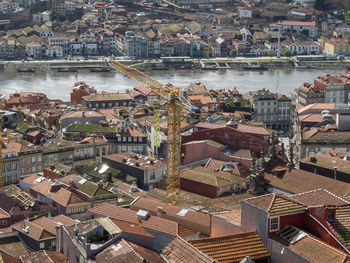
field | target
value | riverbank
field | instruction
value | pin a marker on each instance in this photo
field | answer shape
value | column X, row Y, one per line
column 157, row 64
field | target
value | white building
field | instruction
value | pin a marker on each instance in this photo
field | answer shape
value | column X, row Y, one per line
column 298, row 26
column 70, row 7
column 34, row 50
column 54, row 51
column 270, row 108
column 307, row 3
column 5, row 7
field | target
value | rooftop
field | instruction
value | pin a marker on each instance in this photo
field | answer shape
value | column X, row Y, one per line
column 211, row 177
column 180, row 251
column 277, row 204
column 296, row 181
column 123, row 214
column 312, row 248
column 197, row 221
column 329, row 162
column 232, row 248
column 319, row 197
column 91, row 128
column 108, row 97
column 137, row 160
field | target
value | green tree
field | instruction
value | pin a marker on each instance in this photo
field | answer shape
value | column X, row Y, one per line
column 271, row 53
column 287, row 53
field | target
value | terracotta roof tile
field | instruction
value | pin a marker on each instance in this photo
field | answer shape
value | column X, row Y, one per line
column 185, row 231
column 196, row 221
column 146, row 253
column 65, row 220
column 131, row 228
column 297, row 181
column 120, row 251
column 180, row 251
column 47, row 224
column 234, row 217
column 232, row 248
column 7, row 258
column 123, row 214
column 319, row 197
column 62, row 196
column 13, row 246
column 276, row 204
column 44, row 256
column 341, row 224
column 314, row 250
column 34, row 231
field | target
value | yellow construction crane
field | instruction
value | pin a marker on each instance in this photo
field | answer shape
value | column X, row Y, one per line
column 177, row 103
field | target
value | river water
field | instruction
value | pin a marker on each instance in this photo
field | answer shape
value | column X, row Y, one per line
column 57, row 85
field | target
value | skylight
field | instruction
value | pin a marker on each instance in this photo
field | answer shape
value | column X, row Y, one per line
column 82, row 181
column 103, row 168
column 183, row 212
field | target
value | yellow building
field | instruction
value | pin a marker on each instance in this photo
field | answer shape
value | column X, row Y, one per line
column 208, row 51
column 337, row 46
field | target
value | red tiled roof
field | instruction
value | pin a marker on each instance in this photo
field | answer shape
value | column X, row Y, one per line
column 319, row 197
column 34, row 231
column 146, row 253
column 131, row 228
column 131, row 132
column 315, row 250
column 298, row 23
column 234, row 217
column 125, row 254
column 47, row 224
column 123, row 214
column 63, row 196
column 297, row 181
column 65, row 220
column 180, row 251
column 44, row 256
column 7, row 258
column 197, row 221
column 232, row 248
column 276, row 204
column 142, row 160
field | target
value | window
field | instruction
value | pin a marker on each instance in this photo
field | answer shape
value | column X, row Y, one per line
column 135, row 139
column 33, row 169
column 124, row 139
column 274, row 224
column 119, row 139
column 129, row 139
column 28, row 160
column 152, row 176
column 39, row 158
column 140, row 139
column 330, row 214
column 53, row 243
column 42, row 245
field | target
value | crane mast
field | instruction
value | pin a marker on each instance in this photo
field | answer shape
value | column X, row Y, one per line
column 176, row 104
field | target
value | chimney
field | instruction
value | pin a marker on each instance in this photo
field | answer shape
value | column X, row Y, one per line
column 72, row 184
column 160, row 211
